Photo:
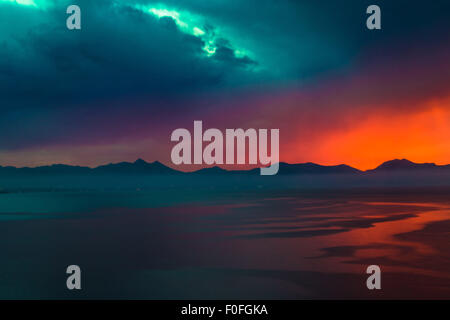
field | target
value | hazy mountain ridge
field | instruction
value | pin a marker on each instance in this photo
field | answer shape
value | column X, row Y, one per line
column 406, row 165
column 142, row 167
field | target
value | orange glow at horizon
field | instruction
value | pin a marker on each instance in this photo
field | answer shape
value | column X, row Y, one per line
column 421, row 137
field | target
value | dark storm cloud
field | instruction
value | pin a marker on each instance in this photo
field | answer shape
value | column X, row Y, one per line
column 57, row 84
column 126, row 52
column 119, row 51
column 48, row 72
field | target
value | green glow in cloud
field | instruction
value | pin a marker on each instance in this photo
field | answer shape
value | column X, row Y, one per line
column 37, row 4
column 190, row 24
column 22, row 2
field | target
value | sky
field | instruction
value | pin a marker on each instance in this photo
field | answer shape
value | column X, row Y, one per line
column 137, row 70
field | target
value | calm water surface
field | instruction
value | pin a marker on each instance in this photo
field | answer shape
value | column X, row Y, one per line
column 254, row 245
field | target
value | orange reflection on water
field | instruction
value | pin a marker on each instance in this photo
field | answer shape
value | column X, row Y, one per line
column 388, row 245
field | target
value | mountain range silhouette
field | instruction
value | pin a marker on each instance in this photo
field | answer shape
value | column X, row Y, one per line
column 142, row 167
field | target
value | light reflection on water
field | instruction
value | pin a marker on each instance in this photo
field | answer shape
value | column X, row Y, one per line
column 286, row 246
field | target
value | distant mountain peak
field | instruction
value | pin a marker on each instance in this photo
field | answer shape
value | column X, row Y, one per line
column 399, row 161
column 140, row 162
column 314, row 168
column 403, row 164
column 139, row 166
